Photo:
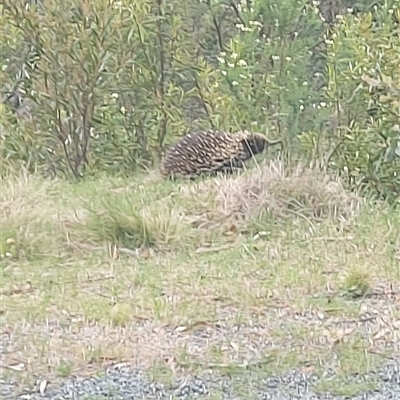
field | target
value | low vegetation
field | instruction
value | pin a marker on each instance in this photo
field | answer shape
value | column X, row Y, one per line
column 109, row 270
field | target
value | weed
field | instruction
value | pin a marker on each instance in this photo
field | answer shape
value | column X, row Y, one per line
column 64, row 369
column 120, row 314
column 357, row 283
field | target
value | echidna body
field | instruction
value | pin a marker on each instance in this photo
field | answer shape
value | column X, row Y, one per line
column 210, row 151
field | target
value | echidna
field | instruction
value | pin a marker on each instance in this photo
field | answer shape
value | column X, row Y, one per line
column 209, row 151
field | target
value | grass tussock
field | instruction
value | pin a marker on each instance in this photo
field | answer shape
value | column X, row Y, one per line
column 278, row 192
column 119, row 221
column 30, row 218
column 357, row 283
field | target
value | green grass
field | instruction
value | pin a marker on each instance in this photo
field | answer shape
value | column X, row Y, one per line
column 290, row 252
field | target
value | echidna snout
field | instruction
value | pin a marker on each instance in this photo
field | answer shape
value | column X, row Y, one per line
column 256, row 142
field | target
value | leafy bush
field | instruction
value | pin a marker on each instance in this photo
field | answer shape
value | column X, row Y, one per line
column 111, row 86
column 363, row 94
column 99, row 82
column 268, row 66
column 107, row 86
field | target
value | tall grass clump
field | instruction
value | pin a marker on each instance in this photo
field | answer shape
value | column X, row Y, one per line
column 274, row 191
column 117, row 220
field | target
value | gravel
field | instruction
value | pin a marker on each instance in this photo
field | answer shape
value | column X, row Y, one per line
column 242, row 344
column 123, row 382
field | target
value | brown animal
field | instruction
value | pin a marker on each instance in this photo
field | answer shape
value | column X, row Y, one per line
column 208, row 152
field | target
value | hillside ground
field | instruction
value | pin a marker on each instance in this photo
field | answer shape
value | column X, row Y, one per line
column 271, row 270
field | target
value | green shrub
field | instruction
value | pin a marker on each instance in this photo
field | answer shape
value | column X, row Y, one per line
column 110, row 85
column 362, row 142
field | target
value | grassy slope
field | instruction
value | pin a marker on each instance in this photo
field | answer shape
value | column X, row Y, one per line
column 107, row 270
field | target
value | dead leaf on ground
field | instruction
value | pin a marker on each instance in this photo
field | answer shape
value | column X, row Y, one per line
column 18, row 366
column 195, row 326
column 212, row 249
column 171, row 363
column 15, row 290
column 336, row 336
column 42, row 386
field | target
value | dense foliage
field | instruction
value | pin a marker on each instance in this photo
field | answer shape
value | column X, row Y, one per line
column 108, row 84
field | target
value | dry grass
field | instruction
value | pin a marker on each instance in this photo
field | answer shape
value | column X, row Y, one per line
column 276, row 191
column 282, row 191
column 107, row 270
